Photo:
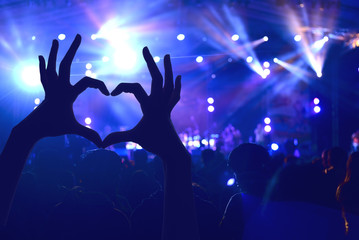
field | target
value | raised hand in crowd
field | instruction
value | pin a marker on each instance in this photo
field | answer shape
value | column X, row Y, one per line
column 156, row 133
column 53, row 117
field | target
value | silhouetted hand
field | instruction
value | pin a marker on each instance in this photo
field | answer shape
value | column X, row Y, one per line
column 155, row 131
column 55, row 116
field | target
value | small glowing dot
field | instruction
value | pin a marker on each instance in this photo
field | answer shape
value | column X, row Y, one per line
column 105, row 59
column 88, row 121
column 266, row 64
column 266, row 72
column 316, row 101
column 319, row 74
column 297, row 38
column 61, row 36
column 230, row 59
column 267, row 128
column 249, row 59
column 210, row 108
column 181, row 37
column 214, row 75
column 37, row 101
column 230, row 182
column 199, row 59
column 93, row 36
column 317, row 109
column 301, row 5
column 275, row 60
column 88, row 73
column 267, row 120
column 156, row 59
column 326, row 39
column 265, row 38
column 33, row 38
column 274, row 146
column 235, row 37
column 210, row 100
column 88, row 66
column 204, row 142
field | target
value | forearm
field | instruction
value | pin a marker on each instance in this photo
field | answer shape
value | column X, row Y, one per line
column 179, row 220
column 12, row 161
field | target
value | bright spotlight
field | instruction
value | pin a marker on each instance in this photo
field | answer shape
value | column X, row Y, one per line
column 61, row 36
column 265, row 38
column 199, row 59
column 266, row 72
column 266, row 64
column 31, row 76
column 88, row 73
column 267, row 120
column 235, row 37
column 230, row 182
column 33, row 38
column 204, row 142
column 125, row 58
column 93, row 36
column 181, row 37
column 105, row 59
column 88, row 121
column 297, row 38
column 275, row 60
column 274, row 146
column 249, row 59
column 212, row 142
column 316, row 101
column 37, row 101
column 319, row 74
column 326, row 39
column 88, row 66
column 267, row 128
column 317, row 109
column 156, row 59
column 210, row 108
column 210, row 100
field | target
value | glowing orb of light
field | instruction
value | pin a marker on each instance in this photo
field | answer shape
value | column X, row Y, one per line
column 235, row 37
column 181, row 37
column 317, row 109
column 230, row 182
column 199, row 59
column 210, row 108
column 274, row 146
column 88, row 121
column 249, row 59
column 210, row 100
column 267, row 128
column 267, row 120
column 61, row 36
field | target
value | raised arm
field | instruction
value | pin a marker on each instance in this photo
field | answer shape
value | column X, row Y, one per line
column 53, row 117
column 156, row 133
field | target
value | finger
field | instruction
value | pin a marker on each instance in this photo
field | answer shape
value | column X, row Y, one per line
column 51, row 65
column 135, row 88
column 117, row 137
column 42, row 68
column 87, row 82
column 157, row 79
column 176, row 94
column 168, row 87
column 65, row 65
column 89, row 134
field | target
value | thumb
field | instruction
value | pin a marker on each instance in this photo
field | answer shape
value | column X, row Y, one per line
column 89, row 134
column 118, row 137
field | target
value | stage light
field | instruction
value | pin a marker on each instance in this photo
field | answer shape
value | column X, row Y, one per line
column 105, row 59
column 317, row 109
column 230, row 182
column 235, row 37
column 326, row 39
column 316, row 101
column 93, row 75
column 210, row 108
column 265, row 38
column 125, row 58
column 88, row 73
column 88, row 66
column 275, row 60
column 181, row 37
column 249, row 59
column 88, row 121
column 61, row 36
column 267, row 128
column 297, row 38
column 319, row 74
column 204, row 142
column 196, row 143
column 31, row 76
column 295, row 141
column 212, row 142
column 130, row 146
column 267, row 120
column 199, row 59
column 230, row 59
column 266, row 72
column 33, row 38
column 210, row 100
column 213, row 76
column 156, row 59
column 266, row 64
column 93, row 36
column 37, row 101
column 274, row 146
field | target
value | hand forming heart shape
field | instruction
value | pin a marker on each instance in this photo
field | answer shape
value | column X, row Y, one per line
column 54, row 116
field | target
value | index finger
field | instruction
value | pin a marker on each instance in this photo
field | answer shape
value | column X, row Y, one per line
column 65, row 65
column 157, row 79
